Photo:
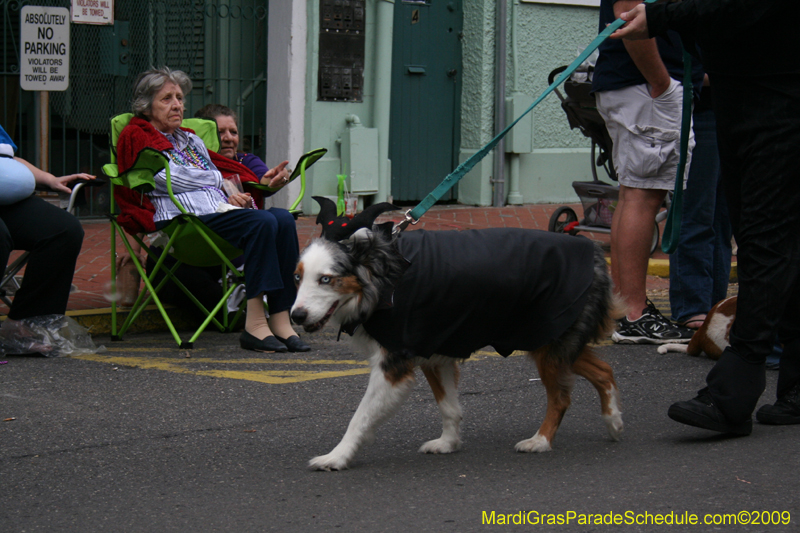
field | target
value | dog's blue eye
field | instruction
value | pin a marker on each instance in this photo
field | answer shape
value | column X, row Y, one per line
column 325, row 280
column 297, row 278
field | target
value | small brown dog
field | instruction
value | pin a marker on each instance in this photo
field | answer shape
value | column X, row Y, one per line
column 713, row 336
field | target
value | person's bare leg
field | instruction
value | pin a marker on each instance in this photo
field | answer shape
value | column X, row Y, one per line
column 256, row 319
column 281, row 325
column 631, row 238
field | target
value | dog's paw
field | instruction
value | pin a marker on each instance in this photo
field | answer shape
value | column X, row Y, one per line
column 537, row 444
column 614, row 425
column 328, row 463
column 440, row 446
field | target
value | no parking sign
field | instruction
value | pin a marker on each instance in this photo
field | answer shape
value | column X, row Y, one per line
column 44, row 48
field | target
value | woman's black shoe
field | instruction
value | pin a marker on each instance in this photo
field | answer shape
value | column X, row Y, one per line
column 295, row 344
column 267, row 344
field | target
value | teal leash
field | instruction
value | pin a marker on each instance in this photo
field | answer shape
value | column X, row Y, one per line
column 672, row 228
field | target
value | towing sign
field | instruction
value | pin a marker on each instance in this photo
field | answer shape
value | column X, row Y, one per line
column 44, row 48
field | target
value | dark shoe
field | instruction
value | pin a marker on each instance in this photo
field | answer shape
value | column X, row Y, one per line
column 702, row 413
column 784, row 412
column 267, row 344
column 295, row 344
column 650, row 328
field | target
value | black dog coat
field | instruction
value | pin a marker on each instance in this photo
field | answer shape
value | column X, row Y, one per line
column 511, row 289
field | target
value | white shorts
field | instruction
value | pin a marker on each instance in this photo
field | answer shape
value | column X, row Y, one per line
column 646, row 133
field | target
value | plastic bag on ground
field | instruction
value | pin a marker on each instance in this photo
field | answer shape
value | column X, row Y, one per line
column 48, row 335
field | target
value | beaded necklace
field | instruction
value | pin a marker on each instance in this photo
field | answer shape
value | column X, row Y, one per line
column 189, row 157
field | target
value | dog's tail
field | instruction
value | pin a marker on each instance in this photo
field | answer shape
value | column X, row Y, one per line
column 681, row 348
column 617, row 309
column 610, row 304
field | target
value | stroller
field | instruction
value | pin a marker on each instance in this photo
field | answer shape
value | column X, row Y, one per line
column 599, row 199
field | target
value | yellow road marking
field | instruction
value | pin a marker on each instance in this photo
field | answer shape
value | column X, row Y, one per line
column 275, row 377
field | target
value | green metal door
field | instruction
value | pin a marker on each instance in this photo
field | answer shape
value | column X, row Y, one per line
column 426, row 93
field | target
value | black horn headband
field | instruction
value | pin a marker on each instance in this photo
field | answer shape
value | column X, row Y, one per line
column 336, row 228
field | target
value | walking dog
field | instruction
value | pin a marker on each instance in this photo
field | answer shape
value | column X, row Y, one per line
column 432, row 298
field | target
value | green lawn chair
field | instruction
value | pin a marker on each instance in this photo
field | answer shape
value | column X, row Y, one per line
column 190, row 241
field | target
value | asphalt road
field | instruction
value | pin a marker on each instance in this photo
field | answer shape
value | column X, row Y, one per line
column 147, row 437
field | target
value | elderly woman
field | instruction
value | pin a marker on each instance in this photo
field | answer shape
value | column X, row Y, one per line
column 51, row 235
column 268, row 238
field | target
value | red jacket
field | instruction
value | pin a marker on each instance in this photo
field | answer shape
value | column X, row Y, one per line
column 136, row 210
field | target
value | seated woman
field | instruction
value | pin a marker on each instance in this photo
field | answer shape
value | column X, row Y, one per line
column 268, row 238
column 51, row 235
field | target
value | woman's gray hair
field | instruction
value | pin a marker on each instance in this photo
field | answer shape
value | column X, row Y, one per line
column 150, row 82
column 212, row 111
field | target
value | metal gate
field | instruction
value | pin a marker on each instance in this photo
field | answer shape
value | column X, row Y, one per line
column 221, row 45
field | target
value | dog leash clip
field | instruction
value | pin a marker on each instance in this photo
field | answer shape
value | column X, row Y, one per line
column 404, row 224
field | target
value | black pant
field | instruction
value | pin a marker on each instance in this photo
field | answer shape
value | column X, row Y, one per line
column 54, row 239
column 758, row 127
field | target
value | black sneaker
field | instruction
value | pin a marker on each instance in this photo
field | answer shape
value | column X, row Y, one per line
column 784, row 412
column 650, row 328
column 702, row 413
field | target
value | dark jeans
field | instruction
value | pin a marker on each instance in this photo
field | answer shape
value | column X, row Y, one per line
column 54, row 238
column 700, row 268
column 758, row 129
column 271, row 250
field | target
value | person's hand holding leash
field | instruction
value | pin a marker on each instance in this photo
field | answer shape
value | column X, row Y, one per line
column 636, row 27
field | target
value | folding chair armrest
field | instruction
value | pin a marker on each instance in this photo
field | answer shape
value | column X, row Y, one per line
column 111, row 171
column 140, row 176
column 80, row 184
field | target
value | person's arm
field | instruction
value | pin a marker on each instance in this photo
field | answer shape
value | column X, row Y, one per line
column 644, row 54
column 684, row 17
column 123, row 257
column 48, row 180
column 275, row 177
column 186, row 179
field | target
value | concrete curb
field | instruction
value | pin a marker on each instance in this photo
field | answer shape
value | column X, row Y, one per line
column 98, row 321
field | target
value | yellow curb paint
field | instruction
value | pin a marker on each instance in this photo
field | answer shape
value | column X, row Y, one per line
column 116, row 350
column 277, row 377
column 660, row 268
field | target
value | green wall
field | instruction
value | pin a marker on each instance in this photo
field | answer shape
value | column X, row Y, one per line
column 547, row 36
column 326, row 121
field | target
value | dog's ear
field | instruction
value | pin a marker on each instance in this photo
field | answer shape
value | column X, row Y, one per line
column 385, row 229
column 337, row 229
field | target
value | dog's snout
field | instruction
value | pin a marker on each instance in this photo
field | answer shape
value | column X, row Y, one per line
column 299, row 315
